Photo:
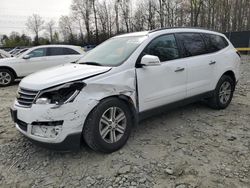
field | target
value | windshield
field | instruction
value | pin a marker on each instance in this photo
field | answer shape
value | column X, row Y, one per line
column 113, row 52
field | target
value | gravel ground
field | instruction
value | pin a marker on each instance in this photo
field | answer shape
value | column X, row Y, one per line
column 193, row 146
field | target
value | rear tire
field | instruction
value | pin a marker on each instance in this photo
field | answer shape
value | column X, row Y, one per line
column 6, row 77
column 223, row 93
column 105, row 132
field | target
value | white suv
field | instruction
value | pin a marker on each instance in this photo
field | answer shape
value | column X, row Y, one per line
column 36, row 59
column 99, row 98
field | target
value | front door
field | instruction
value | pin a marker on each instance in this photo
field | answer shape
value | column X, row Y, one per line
column 36, row 62
column 165, row 83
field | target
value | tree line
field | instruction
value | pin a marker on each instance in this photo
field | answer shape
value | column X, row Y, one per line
column 93, row 21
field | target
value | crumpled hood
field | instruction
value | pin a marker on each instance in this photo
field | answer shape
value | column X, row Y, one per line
column 59, row 75
column 7, row 60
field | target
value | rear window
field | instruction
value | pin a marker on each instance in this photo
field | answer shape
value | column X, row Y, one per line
column 55, row 51
column 215, row 42
column 192, row 43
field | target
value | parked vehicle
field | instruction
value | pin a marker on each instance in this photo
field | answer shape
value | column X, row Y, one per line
column 35, row 59
column 21, row 51
column 4, row 54
column 14, row 50
column 100, row 97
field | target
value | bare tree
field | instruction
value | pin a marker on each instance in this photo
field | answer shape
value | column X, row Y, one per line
column 102, row 12
column 195, row 11
column 83, row 8
column 50, row 27
column 161, row 12
column 35, row 25
column 67, row 28
column 139, row 19
column 151, row 13
column 95, row 18
column 116, row 6
column 125, row 12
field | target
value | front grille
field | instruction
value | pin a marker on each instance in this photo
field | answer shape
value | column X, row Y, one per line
column 25, row 97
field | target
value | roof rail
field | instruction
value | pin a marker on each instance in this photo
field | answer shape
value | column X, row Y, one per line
column 164, row 28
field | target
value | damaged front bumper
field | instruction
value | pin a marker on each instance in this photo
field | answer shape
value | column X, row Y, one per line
column 54, row 128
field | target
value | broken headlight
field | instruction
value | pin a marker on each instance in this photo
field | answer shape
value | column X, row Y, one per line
column 61, row 94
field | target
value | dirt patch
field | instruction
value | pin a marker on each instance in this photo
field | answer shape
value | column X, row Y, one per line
column 193, row 146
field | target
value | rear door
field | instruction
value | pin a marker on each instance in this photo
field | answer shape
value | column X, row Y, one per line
column 216, row 46
column 165, row 83
column 200, row 65
column 55, row 56
column 71, row 55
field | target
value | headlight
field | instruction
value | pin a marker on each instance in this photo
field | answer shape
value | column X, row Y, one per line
column 61, row 94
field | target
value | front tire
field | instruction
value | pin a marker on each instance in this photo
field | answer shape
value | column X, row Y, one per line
column 108, row 126
column 223, row 93
column 6, row 77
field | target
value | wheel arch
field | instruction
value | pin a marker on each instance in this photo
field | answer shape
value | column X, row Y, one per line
column 231, row 74
column 128, row 100
column 10, row 69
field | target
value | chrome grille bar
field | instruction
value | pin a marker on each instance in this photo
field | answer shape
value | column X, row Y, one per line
column 25, row 97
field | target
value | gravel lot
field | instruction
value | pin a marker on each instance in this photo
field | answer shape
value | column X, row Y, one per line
column 193, row 146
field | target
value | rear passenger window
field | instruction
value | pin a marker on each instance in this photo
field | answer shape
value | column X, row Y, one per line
column 69, row 51
column 192, row 43
column 215, row 42
column 164, row 47
column 55, row 51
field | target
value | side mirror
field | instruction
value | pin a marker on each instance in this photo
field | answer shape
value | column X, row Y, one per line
column 26, row 57
column 150, row 60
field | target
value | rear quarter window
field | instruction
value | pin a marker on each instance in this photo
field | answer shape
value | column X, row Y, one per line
column 69, row 51
column 214, row 42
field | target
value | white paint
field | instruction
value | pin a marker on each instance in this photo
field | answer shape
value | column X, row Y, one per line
column 157, row 85
column 24, row 67
column 160, row 85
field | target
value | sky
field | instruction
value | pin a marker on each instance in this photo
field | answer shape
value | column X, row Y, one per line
column 14, row 13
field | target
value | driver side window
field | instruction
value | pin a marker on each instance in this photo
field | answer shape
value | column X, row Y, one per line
column 40, row 52
column 164, row 47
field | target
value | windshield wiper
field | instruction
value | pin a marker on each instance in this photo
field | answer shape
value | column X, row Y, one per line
column 91, row 63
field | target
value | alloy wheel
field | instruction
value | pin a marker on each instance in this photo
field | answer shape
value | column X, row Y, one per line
column 225, row 92
column 112, row 124
column 5, row 78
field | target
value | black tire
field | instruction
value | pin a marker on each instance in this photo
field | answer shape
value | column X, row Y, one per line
column 215, row 102
column 91, row 129
column 10, row 76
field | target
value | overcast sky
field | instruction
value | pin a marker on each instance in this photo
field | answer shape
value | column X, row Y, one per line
column 14, row 13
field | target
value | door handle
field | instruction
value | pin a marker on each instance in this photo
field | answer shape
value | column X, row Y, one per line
column 212, row 62
column 179, row 69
